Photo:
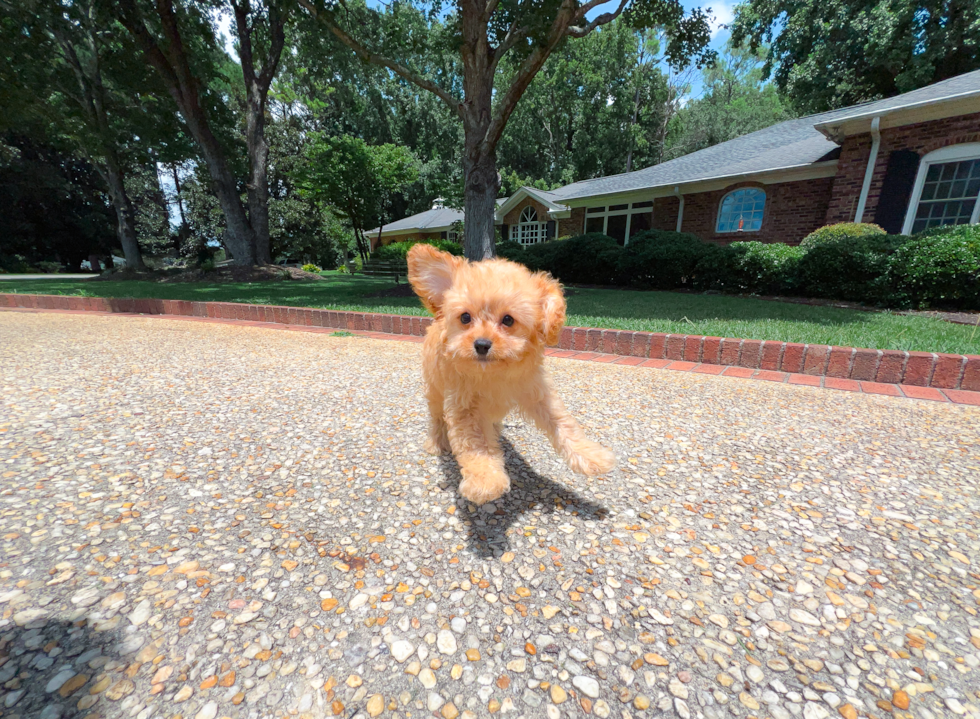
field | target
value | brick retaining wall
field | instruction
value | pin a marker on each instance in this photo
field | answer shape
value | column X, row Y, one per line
column 918, row 369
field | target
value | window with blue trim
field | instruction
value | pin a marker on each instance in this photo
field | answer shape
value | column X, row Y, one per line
column 741, row 210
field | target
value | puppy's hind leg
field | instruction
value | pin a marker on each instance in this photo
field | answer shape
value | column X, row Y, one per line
column 481, row 461
column 438, row 440
column 581, row 454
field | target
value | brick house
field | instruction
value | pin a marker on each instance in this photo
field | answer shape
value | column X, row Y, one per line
column 906, row 163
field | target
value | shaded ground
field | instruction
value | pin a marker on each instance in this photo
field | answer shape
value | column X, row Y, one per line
column 212, row 521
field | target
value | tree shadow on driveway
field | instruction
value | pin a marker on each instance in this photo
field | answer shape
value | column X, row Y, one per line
column 48, row 666
column 529, row 491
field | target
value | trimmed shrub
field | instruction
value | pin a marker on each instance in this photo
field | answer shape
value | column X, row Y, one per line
column 397, row 251
column 849, row 267
column 661, row 259
column 832, row 233
column 511, row 250
column 585, row 259
column 310, row 267
column 750, row 267
column 940, row 268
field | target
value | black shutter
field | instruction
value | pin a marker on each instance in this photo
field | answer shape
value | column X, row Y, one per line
column 549, row 230
column 896, row 190
column 504, row 233
column 444, row 235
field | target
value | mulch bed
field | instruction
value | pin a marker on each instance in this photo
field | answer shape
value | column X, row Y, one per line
column 229, row 273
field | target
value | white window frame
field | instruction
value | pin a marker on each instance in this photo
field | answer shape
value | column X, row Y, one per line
column 452, row 235
column 630, row 210
column 953, row 153
column 721, row 203
column 528, row 231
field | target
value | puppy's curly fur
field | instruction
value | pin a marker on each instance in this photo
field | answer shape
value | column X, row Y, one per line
column 470, row 387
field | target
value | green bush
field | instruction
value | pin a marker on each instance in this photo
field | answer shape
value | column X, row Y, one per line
column 587, row 259
column 940, row 268
column 310, row 267
column 661, row 259
column 750, row 267
column 849, row 267
column 511, row 250
column 842, row 230
column 397, row 251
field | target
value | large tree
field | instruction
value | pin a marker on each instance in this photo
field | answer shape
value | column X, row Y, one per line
column 480, row 34
column 827, row 54
column 735, row 101
column 177, row 40
column 89, row 94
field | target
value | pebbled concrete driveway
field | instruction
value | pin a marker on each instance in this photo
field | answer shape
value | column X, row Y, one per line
column 220, row 521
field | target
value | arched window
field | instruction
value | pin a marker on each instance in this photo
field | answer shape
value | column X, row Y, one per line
column 741, row 210
column 946, row 189
column 528, row 231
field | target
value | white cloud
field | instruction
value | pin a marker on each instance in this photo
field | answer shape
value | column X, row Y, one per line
column 226, row 33
column 723, row 14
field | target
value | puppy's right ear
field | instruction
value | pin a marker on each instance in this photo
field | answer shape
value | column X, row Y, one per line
column 430, row 272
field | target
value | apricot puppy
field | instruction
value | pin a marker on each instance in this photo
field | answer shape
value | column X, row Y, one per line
column 483, row 356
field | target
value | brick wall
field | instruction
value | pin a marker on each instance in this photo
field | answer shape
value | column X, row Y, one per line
column 514, row 216
column 571, row 226
column 793, row 210
column 923, row 137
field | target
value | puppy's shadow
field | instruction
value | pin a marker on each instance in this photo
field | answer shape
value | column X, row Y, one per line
column 487, row 532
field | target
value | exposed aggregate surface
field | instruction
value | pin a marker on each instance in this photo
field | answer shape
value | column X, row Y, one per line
column 210, row 521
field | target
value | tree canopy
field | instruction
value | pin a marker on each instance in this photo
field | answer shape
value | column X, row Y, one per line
column 826, row 54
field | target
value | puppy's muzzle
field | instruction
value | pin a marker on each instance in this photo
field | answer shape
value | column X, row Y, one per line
column 482, row 347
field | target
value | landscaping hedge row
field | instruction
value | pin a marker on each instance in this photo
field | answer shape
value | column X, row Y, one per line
column 397, row 251
column 856, row 262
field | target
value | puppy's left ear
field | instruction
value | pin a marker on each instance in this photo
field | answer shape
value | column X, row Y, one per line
column 430, row 272
column 552, row 308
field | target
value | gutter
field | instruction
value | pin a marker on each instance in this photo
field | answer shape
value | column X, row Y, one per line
column 870, row 169
column 680, row 208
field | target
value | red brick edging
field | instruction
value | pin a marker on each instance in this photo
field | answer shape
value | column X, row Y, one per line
column 916, row 369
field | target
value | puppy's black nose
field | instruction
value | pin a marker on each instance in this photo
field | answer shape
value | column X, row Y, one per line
column 482, row 347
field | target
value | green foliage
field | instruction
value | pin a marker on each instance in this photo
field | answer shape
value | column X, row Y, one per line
column 54, row 207
column 938, row 269
column 587, row 259
column 750, row 267
column 829, row 234
column 310, row 267
column 845, row 266
column 356, row 178
column 735, row 101
column 827, row 54
column 397, row 251
column 661, row 259
column 510, row 250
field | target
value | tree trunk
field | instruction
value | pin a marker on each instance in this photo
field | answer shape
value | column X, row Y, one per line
column 479, row 202
column 125, row 216
column 240, row 236
column 258, row 185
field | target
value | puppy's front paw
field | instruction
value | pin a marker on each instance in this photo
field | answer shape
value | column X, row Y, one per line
column 590, row 459
column 482, row 484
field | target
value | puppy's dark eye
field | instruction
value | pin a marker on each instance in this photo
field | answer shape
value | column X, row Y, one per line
column 507, row 321
column 465, row 318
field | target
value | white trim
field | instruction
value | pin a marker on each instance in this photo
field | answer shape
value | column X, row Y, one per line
column 629, row 212
column 514, row 200
column 869, row 171
column 721, row 203
column 953, row 153
column 828, row 126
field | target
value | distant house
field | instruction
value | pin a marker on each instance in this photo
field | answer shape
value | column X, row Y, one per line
column 906, row 163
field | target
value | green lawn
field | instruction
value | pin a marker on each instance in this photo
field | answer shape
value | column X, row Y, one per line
column 617, row 309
